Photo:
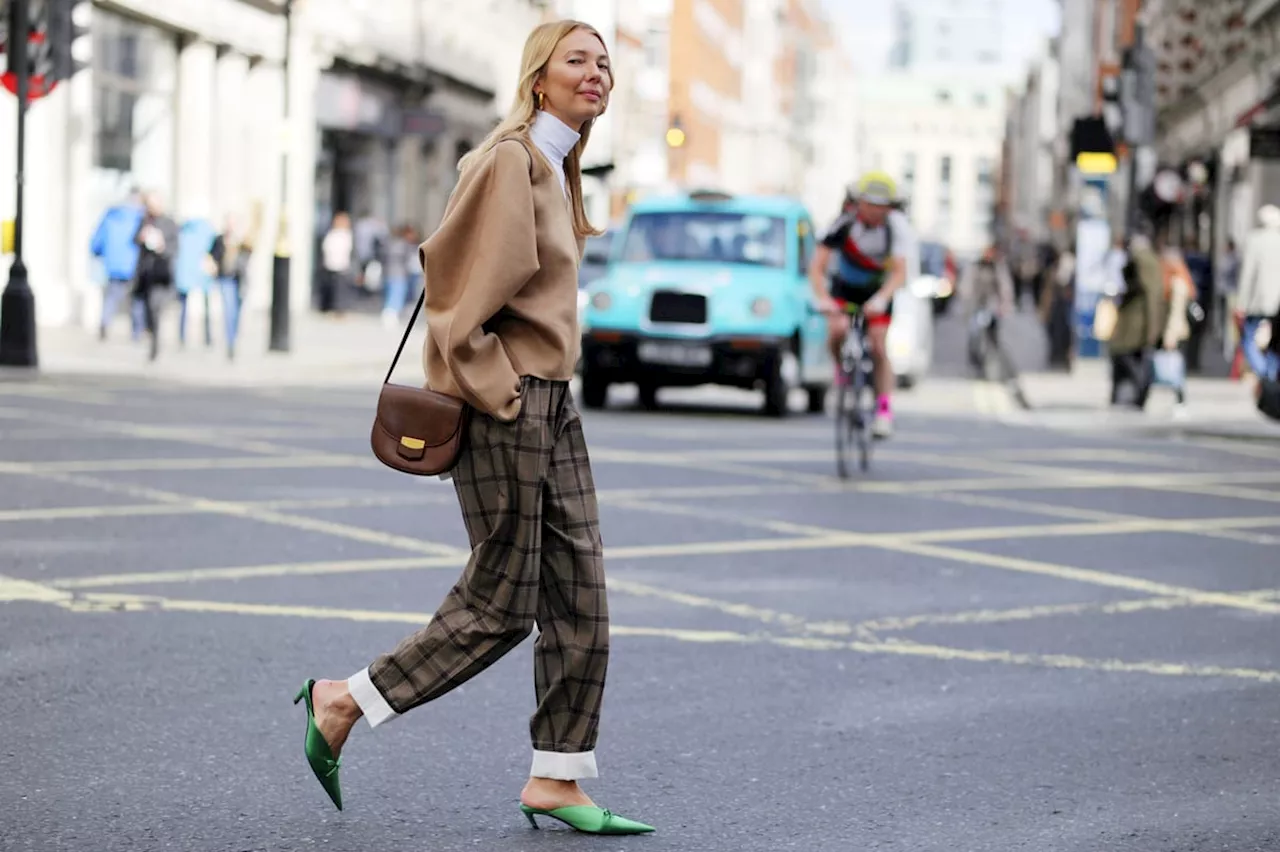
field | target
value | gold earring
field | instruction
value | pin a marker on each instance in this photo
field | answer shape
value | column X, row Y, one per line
column 540, row 99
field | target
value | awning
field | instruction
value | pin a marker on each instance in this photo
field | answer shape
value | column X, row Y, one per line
column 1253, row 113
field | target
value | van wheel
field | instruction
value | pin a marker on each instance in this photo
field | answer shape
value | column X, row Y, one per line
column 595, row 389
column 648, row 395
column 817, row 399
column 782, row 379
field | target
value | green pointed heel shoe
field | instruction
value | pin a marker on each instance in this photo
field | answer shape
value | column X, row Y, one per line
column 322, row 761
column 589, row 819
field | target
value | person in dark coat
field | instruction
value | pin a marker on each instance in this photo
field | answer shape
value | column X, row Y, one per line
column 1139, row 323
column 157, row 241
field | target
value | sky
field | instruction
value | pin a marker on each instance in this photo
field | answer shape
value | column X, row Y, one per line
column 866, row 30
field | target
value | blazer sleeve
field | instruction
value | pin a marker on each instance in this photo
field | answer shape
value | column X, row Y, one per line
column 483, row 253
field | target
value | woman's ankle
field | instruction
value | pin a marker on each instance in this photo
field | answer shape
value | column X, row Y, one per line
column 338, row 700
column 551, row 793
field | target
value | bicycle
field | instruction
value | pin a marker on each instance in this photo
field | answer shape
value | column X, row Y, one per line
column 856, row 397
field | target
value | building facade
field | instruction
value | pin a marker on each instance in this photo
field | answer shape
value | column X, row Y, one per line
column 942, row 34
column 1218, row 70
column 747, row 96
column 1027, row 171
column 187, row 98
column 940, row 136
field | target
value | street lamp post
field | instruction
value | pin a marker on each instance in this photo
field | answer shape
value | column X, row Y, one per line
column 281, row 266
column 1137, row 95
column 18, row 304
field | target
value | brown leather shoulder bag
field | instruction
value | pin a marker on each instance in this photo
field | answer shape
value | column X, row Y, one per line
column 418, row 431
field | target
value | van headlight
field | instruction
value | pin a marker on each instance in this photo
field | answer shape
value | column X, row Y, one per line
column 601, row 301
column 761, row 307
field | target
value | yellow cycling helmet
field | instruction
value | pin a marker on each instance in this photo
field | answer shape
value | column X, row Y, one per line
column 875, row 188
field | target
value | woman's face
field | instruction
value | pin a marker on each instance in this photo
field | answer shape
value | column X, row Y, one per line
column 575, row 87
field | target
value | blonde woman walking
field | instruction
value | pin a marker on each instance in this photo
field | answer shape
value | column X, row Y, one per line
column 501, row 310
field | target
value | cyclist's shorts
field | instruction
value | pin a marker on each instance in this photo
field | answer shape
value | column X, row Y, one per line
column 845, row 296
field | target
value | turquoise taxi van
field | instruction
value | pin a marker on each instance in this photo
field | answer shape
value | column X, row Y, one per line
column 707, row 288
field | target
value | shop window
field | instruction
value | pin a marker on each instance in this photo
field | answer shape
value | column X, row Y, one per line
column 134, row 83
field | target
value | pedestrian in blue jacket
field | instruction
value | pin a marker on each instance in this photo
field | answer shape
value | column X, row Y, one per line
column 193, row 272
column 114, row 246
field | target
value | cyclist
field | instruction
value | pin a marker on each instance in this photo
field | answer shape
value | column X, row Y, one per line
column 987, row 285
column 868, row 241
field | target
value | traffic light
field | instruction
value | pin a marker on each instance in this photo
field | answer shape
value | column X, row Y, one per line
column 675, row 133
column 70, row 43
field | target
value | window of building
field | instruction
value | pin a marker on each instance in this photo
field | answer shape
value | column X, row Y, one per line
column 944, row 96
column 984, row 174
column 134, row 84
column 655, row 49
column 944, row 172
column 908, row 173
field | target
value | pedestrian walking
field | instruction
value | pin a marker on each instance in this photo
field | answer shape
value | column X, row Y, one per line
column 335, row 257
column 987, row 295
column 1139, row 324
column 401, row 253
column 502, row 335
column 1169, row 362
column 1056, row 301
column 157, row 241
column 231, row 253
column 113, row 244
column 1258, row 298
column 194, row 270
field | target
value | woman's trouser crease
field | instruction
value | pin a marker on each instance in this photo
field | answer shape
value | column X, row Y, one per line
column 529, row 503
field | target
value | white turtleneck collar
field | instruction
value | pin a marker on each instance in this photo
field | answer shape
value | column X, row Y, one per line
column 555, row 140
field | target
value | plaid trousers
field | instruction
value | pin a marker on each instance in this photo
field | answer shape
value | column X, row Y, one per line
column 529, row 503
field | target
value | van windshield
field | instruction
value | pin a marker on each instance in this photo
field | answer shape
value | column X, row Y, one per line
column 710, row 237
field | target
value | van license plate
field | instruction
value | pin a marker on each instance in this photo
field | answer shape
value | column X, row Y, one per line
column 675, row 354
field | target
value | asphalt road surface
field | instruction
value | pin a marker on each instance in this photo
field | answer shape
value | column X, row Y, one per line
column 997, row 639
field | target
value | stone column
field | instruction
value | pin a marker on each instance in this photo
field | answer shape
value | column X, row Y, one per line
column 194, row 162
column 197, row 64
column 303, row 140
column 231, row 184
column 261, row 110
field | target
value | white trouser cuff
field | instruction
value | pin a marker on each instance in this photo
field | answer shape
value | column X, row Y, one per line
column 375, row 708
column 564, row 766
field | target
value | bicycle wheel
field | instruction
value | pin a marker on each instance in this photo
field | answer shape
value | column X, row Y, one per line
column 846, row 414
column 864, row 400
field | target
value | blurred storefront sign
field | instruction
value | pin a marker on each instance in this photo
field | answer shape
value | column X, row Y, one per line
column 356, row 104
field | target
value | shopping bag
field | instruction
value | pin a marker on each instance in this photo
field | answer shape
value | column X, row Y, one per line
column 1104, row 319
column 1170, row 368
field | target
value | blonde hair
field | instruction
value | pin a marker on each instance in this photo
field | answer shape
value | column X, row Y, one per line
column 538, row 49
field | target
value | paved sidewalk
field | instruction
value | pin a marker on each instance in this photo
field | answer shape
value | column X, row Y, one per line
column 354, row 350
column 1080, row 401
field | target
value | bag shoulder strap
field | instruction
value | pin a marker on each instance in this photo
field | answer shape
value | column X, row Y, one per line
column 405, row 339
